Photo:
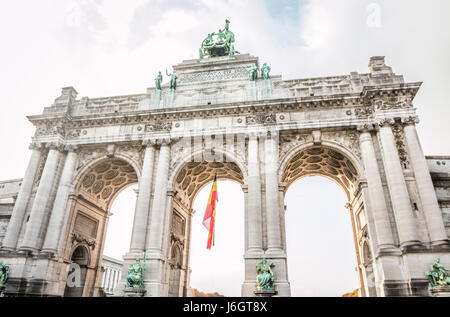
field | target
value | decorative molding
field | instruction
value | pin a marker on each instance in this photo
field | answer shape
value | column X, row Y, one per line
column 400, row 142
column 79, row 238
column 385, row 122
column 159, row 126
column 265, row 119
column 392, row 103
column 412, row 120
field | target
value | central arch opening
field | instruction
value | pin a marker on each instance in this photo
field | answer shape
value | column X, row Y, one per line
column 219, row 270
column 191, row 264
column 320, row 249
column 323, row 241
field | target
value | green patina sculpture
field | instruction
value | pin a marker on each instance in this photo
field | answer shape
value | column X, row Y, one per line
column 158, row 81
column 265, row 71
column 265, row 277
column 173, row 80
column 218, row 44
column 135, row 277
column 253, row 72
column 438, row 275
column 4, row 272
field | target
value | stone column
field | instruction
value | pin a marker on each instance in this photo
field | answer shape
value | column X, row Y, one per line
column 59, row 208
column 155, row 228
column 107, row 273
column 37, row 216
column 20, row 206
column 272, row 205
column 380, row 214
column 167, row 218
column 425, row 187
column 143, row 201
column 155, row 265
column 254, row 217
column 406, row 224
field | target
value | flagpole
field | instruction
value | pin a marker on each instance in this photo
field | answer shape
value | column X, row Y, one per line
column 215, row 214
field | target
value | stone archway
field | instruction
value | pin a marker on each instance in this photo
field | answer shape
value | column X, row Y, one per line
column 80, row 257
column 95, row 188
column 331, row 162
column 189, row 178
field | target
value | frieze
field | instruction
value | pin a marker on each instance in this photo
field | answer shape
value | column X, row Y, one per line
column 348, row 139
column 48, row 129
column 392, row 103
column 261, row 119
column 363, row 112
column 159, row 127
column 236, row 73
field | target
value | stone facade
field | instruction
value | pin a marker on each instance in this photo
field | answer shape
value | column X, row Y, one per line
column 357, row 129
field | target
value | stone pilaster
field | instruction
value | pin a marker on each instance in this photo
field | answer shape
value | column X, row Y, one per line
column 272, row 205
column 155, row 265
column 254, row 217
column 381, row 220
column 37, row 216
column 59, row 207
column 143, row 201
column 406, row 224
column 425, row 187
column 20, row 206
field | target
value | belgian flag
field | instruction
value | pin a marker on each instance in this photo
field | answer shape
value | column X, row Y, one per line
column 210, row 214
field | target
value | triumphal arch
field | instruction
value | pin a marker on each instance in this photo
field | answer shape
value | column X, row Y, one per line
column 225, row 114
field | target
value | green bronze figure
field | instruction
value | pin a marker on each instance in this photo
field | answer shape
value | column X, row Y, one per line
column 218, row 44
column 265, row 277
column 135, row 277
column 173, row 79
column 253, row 72
column 438, row 275
column 4, row 272
column 265, row 71
column 158, row 81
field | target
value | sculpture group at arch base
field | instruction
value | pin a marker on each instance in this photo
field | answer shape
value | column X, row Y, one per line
column 227, row 116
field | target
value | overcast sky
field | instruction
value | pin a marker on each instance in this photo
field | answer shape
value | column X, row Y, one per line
column 109, row 48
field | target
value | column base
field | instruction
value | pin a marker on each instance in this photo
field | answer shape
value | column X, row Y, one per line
column 388, row 250
column 411, row 246
column 265, row 293
column 134, row 292
column 28, row 249
column 440, row 291
column 441, row 243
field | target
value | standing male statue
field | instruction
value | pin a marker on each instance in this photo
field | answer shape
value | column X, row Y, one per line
column 253, row 72
column 265, row 71
column 158, row 81
column 173, row 79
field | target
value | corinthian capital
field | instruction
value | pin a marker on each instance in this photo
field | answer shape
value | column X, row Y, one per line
column 367, row 127
column 411, row 120
column 385, row 122
column 71, row 148
column 35, row 146
column 55, row 146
